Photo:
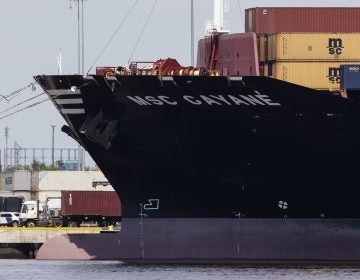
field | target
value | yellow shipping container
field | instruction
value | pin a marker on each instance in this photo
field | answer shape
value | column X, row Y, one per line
column 316, row 75
column 266, row 69
column 271, row 49
column 314, row 46
column 263, row 46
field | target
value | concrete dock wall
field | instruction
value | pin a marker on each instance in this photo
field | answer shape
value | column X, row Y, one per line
column 23, row 243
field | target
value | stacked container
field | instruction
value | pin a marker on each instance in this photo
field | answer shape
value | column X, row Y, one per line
column 309, row 59
column 350, row 77
column 306, row 46
column 273, row 20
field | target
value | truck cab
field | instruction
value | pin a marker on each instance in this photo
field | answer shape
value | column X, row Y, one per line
column 30, row 212
column 34, row 213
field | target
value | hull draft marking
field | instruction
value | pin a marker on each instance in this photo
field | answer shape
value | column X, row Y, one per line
column 153, row 204
column 283, row 205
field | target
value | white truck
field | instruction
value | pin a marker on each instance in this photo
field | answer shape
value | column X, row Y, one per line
column 34, row 213
column 73, row 208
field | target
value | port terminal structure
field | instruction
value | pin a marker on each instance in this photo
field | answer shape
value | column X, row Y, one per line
column 23, row 242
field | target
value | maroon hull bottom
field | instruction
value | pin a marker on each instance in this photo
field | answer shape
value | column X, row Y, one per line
column 215, row 241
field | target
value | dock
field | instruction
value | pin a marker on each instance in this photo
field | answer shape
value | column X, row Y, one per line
column 24, row 242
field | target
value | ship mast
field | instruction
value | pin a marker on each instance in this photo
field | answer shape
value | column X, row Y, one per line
column 192, row 33
column 81, row 39
column 215, row 29
column 59, row 62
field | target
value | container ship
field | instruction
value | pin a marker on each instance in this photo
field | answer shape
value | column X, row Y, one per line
column 219, row 163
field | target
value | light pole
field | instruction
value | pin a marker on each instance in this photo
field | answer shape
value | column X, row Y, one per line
column 81, row 36
column 52, row 146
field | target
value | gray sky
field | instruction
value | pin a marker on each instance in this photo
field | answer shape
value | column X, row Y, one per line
column 33, row 31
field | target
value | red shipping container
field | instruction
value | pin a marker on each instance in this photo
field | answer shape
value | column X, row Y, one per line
column 91, row 203
column 274, row 20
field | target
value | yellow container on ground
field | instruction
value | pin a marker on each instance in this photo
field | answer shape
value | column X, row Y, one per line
column 313, row 46
column 316, row 75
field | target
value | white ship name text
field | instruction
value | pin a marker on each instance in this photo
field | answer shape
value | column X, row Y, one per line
column 212, row 100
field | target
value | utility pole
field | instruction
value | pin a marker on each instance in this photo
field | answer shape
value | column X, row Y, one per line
column 7, row 129
column 52, row 145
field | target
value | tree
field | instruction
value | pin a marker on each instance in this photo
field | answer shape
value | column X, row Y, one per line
column 39, row 166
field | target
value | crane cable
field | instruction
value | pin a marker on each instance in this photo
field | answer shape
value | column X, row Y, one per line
column 142, row 31
column 27, row 107
column 11, row 95
column 18, row 104
column 241, row 15
column 113, row 36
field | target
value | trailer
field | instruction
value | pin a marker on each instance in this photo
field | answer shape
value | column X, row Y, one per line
column 75, row 209
column 10, row 203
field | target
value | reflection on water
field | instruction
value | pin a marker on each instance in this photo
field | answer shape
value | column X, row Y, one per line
column 81, row 270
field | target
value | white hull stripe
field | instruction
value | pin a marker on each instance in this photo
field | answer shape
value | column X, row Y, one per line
column 73, row 111
column 57, row 92
column 69, row 101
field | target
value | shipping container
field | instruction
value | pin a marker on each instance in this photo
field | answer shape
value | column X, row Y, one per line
column 262, row 46
column 304, row 19
column 350, row 77
column 266, row 69
column 27, row 195
column 92, row 203
column 43, row 195
column 310, row 46
column 18, row 180
column 316, row 75
column 238, row 53
column 10, row 203
column 70, row 180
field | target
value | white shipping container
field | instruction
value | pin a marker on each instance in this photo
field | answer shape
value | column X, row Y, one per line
column 25, row 194
column 19, row 180
column 71, row 181
column 43, row 195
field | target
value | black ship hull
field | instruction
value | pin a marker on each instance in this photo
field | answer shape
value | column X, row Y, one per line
column 235, row 151
column 223, row 240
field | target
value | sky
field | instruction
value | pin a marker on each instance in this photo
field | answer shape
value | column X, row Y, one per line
column 32, row 32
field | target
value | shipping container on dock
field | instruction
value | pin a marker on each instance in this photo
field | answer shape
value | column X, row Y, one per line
column 38, row 185
column 310, row 47
column 302, row 19
column 73, row 208
column 51, row 183
column 316, row 75
column 238, row 53
column 18, row 180
column 10, row 203
column 350, row 77
column 92, row 203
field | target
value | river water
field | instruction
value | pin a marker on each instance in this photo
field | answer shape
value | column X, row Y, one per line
column 88, row 270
